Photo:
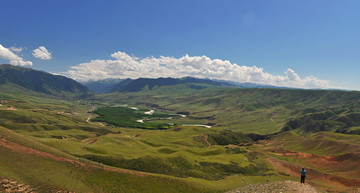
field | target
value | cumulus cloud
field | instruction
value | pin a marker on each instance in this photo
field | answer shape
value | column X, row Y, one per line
column 14, row 59
column 42, row 53
column 126, row 66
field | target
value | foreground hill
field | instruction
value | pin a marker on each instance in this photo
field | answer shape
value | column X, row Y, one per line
column 28, row 166
column 39, row 81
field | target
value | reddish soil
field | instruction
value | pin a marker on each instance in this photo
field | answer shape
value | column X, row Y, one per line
column 346, row 165
column 333, row 181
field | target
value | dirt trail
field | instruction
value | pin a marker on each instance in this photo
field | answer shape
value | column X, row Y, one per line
column 206, row 139
column 282, row 186
column 88, row 119
column 94, row 123
column 7, row 185
column 30, row 151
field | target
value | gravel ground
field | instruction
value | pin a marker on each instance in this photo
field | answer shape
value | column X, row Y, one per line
column 276, row 187
column 13, row 186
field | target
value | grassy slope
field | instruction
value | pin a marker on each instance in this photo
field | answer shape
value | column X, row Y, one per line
column 40, row 118
column 46, row 174
column 331, row 158
column 260, row 111
column 268, row 111
column 62, row 125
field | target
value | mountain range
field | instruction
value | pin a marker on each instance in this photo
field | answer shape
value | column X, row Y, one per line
column 43, row 82
column 134, row 85
column 39, row 81
column 102, row 86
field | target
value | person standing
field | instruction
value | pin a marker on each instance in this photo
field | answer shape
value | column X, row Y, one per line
column 303, row 175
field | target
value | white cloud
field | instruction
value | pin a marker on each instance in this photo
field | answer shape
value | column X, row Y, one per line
column 126, row 66
column 42, row 53
column 14, row 59
column 15, row 49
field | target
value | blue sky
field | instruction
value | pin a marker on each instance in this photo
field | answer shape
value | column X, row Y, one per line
column 305, row 44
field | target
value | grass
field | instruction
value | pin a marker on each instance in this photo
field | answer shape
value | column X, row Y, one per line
column 261, row 111
column 48, row 175
column 174, row 155
column 321, row 143
column 334, row 154
column 127, row 117
column 149, row 148
column 180, row 151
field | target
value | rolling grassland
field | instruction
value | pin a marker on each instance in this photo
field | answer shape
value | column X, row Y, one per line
column 97, row 144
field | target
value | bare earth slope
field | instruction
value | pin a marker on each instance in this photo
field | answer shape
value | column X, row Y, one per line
column 282, row 186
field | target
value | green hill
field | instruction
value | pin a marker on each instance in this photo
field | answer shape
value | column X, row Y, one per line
column 45, row 169
column 39, row 81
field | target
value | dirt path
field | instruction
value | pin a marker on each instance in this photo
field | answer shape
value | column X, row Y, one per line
column 206, row 139
column 94, row 123
column 282, row 186
column 88, row 119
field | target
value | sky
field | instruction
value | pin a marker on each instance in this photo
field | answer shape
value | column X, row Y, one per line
column 298, row 43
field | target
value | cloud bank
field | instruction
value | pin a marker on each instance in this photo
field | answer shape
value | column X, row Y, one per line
column 14, row 59
column 42, row 53
column 126, row 66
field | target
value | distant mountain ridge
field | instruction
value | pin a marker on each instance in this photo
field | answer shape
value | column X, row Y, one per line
column 39, row 81
column 129, row 85
column 134, row 85
column 253, row 85
column 102, row 86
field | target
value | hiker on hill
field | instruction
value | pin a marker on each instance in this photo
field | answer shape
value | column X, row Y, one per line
column 303, row 175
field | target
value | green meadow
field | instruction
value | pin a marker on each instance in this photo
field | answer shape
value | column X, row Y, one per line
column 133, row 118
